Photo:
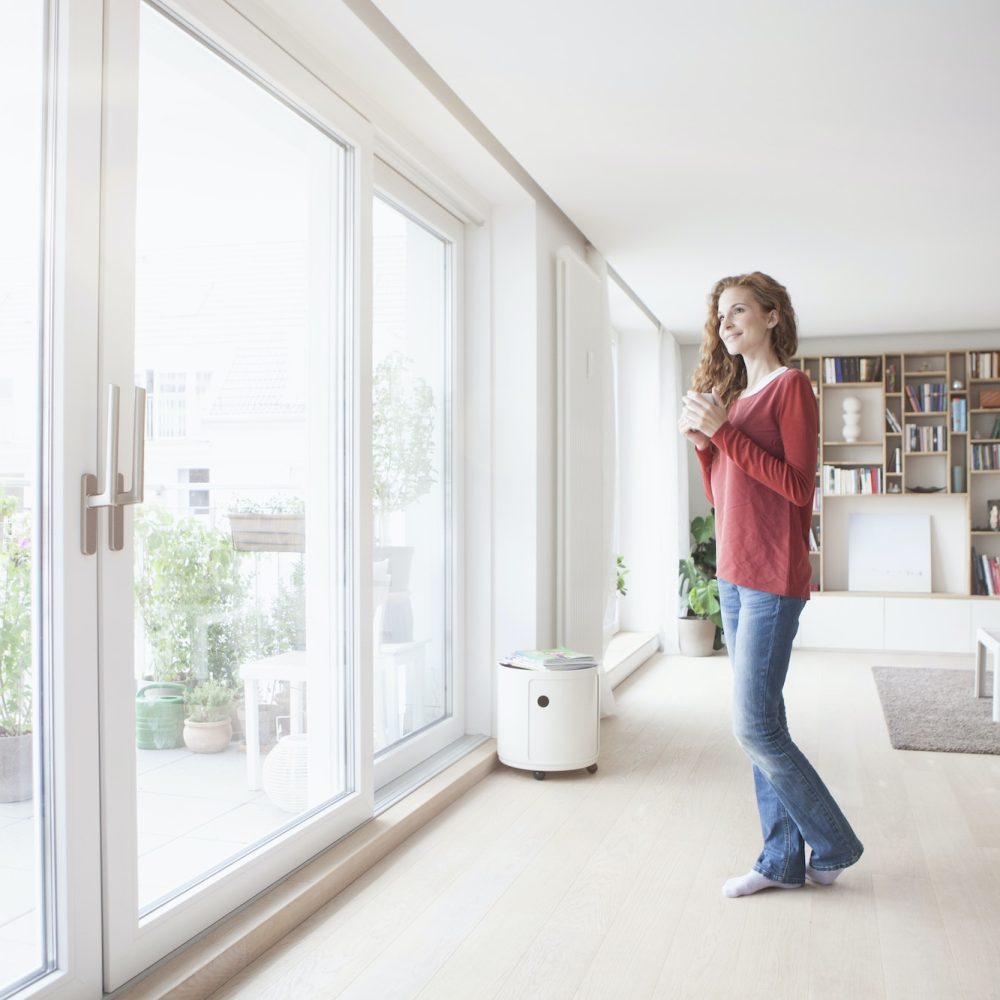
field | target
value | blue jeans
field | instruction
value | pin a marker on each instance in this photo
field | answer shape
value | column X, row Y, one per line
column 795, row 806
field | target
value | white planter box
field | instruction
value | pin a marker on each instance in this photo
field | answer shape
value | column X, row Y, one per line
column 268, row 532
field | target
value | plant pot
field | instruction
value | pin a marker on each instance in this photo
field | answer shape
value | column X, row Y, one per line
column 397, row 615
column 268, row 532
column 16, row 784
column 208, row 737
column 400, row 560
column 267, row 724
column 159, row 716
column 696, row 636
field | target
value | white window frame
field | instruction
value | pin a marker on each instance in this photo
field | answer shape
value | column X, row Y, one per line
column 131, row 944
column 405, row 196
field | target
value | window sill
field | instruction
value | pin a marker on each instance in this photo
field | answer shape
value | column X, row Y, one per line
column 627, row 651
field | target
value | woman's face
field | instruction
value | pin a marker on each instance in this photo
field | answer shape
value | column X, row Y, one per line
column 744, row 326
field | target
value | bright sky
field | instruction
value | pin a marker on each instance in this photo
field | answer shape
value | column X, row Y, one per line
column 21, row 80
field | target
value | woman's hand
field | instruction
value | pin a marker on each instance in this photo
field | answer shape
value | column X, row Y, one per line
column 703, row 414
column 695, row 437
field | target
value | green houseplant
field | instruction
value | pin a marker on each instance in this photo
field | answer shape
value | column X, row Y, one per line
column 402, row 439
column 700, row 624
column 208, row 724
column 15, row 653
column 402, row 472
column 190, row 596
column 621, row 571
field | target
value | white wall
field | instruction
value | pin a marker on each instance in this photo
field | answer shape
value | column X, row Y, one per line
column 643, row 503
column 474, row 465
column 515, row 431
column 554, row 232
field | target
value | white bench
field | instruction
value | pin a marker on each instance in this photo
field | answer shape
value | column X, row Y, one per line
column 988, row 640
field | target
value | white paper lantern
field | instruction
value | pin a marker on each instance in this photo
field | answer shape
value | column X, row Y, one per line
column 286, row 773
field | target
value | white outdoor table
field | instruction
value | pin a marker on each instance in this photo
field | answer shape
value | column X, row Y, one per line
column 988, row 641
column 290, row 666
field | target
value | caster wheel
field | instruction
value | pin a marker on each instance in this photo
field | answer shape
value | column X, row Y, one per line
column 539, row 775
column 592, row 768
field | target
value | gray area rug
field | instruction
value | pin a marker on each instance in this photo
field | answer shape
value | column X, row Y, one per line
column 933, row 709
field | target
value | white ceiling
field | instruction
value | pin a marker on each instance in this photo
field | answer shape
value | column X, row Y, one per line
column 852, row 150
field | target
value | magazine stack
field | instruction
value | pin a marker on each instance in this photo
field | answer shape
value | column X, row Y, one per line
column 559, row 658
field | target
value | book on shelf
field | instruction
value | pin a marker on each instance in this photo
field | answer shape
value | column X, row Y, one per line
column 960, row 415
column 813, row 540
column 890, row 419
column 985, row 364
column 987, row 574
column 891, row 377
column 852, row 369
column 927, row 397
column 855, row 481
column 985, row 457
column 925, row 438
column 559, row 658
column 817, row 502
column 995, row 432
column 897, row 460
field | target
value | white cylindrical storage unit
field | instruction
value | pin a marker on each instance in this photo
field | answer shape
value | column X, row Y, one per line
column 548, row 720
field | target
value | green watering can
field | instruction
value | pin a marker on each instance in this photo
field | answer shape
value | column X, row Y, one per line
column 159, row 720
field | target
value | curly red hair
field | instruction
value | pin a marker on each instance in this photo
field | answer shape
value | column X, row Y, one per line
column 726, row 373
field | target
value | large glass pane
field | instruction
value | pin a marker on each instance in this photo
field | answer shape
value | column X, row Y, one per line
column 22, row 117
column 411, row 474
column 240, row 545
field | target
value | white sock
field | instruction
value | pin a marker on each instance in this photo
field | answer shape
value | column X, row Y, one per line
column 821, row 877
column 744, row 885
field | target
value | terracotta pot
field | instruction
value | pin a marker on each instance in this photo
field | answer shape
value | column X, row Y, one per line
column 696, row 636
column 207, row 737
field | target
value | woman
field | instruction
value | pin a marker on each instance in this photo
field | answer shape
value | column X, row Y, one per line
column 754, row 423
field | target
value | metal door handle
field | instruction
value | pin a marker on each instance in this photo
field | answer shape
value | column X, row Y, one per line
column 106, row 498
column 113, row 495
column 134, row 495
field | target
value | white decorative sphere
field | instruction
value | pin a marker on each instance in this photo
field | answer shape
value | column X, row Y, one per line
column 286, row 771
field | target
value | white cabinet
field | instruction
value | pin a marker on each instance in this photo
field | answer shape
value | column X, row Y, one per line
column 841, row 622
column 547, row 721
column 896, row 624
column 928, row 625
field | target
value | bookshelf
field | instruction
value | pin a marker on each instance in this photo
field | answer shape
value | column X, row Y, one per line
column 982, row 468
column 811, row 366
column 928, row 439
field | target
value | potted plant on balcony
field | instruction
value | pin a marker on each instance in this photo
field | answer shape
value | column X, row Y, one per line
column 274, row 525
column 402, row 472
column 191, row 598
column 15, row 654
column 699, row 628
column 208, row 727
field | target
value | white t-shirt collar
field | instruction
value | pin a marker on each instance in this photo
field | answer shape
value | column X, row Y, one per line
column 766, row 381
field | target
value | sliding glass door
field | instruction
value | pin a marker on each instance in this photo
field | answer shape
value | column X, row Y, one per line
column 24, row 862
column 231, row 661
column 416, row 268
column 227, row 363
column 239, row 553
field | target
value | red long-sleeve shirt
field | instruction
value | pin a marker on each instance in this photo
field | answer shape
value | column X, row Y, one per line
column 760, row 475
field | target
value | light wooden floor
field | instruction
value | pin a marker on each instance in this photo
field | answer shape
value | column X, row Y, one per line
column 608, row 886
